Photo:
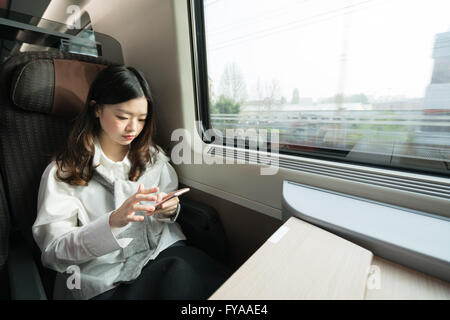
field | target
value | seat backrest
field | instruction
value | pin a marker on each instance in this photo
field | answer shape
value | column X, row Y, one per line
column 4, row 225
column 40, row 94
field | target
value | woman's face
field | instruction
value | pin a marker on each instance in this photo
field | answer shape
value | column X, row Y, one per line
column 123, row 122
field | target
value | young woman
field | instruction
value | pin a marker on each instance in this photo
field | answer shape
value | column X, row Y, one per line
column 96, row 224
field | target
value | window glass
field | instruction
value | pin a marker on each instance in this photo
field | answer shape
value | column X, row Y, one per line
column 364, row 81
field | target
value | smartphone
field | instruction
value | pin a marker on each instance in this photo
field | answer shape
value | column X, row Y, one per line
column 169, row 196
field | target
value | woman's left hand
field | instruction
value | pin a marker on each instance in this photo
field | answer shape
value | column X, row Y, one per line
column 167, row 208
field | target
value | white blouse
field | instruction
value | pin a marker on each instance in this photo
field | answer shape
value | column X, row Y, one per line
column 72, row 225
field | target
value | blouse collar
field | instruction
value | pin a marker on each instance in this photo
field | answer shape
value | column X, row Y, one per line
column 101, row 158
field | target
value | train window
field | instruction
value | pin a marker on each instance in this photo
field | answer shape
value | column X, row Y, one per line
column 363, row 81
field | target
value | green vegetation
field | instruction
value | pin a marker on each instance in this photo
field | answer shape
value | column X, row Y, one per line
column 226, row 105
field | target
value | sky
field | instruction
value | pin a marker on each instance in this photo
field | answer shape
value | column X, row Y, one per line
column 322, row 47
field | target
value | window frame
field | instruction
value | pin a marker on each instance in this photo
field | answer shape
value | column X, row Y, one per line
column 201, row 94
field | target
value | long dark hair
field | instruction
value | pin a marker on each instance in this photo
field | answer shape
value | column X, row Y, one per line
column 114, row 84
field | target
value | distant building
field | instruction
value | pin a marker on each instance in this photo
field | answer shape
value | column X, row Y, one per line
column 437, row 96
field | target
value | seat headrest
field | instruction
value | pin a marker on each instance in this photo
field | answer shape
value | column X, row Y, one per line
column 53, row 86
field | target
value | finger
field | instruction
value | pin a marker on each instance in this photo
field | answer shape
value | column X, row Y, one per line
column 140, row 207
column 145, row 197
column 150, row 190
column 170, row 203
column 134, row 218
column 166, row 211
column 161, row 196
column 140, row 188
column 168, row 207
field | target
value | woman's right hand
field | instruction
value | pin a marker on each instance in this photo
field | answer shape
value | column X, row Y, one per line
column 125, row 214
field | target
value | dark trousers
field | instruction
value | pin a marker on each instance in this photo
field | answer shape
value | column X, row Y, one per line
column 179, row 272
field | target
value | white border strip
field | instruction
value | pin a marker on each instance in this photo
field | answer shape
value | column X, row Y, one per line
column 267, row 210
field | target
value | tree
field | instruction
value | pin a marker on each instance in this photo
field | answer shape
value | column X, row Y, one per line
column 232, row 83
column 295, row 97
column 259, row 90
column 339, row 99
column 361, row 98
column 226, row 105
column 274, row 94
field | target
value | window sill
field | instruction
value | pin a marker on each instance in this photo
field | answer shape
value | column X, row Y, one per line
column 415, row 239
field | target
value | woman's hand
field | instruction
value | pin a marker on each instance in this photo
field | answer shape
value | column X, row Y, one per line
column 125, row 214
column 167, row 208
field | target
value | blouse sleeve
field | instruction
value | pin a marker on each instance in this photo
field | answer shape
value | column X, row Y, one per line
column 56, row 231
column 168, row 182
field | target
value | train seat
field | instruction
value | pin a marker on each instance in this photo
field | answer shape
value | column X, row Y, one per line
column 40, row 95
